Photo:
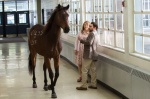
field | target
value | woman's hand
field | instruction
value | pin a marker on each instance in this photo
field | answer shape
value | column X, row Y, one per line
column 79, row 38
column 75, row 52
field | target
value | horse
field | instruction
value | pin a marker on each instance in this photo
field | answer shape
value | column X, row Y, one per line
column 45, row 41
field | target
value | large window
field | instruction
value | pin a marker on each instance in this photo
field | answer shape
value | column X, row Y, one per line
column 22, row 5
column 16, row 5
column 74, row 15
column 108, row 14
column 142, row 26
column 10, row 5
column 1, row 7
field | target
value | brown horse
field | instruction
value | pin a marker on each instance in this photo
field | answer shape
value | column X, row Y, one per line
column 45, row 40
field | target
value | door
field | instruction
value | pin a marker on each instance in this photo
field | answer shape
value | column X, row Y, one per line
column 22, row 21
column 15, row 15
column 11, row 23
column 1, row 23
column 16, row 22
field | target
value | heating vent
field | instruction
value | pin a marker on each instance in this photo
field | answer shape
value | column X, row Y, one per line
column 141, row 75
column 117, row 64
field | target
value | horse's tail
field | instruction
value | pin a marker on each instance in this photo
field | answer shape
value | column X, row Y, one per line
column 30, row 65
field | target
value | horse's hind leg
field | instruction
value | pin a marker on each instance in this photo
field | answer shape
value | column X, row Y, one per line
column 34, row 79
column 32, row 62
column 51, row 75
column 45, row 78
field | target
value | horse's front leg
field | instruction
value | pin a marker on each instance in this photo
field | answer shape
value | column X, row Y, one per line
column 45, row 78
column 56, row 66
column 52, row 86
column 51, row 75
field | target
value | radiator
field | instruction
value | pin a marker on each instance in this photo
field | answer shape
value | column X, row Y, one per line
column 115, row 74
column 140, row 84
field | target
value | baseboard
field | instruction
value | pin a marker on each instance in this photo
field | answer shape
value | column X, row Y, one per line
column 112, row 90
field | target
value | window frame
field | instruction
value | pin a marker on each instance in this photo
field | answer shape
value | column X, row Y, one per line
column 74, row 16
column 143, row 34
column 102, row 28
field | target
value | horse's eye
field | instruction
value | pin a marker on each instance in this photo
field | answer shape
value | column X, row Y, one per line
column 64, row 12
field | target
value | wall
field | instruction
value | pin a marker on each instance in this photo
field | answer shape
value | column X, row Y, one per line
column 33, row 12
column 129, row 80
column 48, row 6
column 39, row 11
column 35, row 9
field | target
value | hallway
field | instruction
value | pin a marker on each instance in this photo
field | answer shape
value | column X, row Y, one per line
column 16, row 83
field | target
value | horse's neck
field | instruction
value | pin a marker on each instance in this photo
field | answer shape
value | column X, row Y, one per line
column 51, row 38
column 54, row 34
column 54, row 31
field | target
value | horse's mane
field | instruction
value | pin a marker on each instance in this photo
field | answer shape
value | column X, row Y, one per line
column 51, row 19
column 54, row 37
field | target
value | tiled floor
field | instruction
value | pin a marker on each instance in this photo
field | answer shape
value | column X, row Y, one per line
column 16, row 83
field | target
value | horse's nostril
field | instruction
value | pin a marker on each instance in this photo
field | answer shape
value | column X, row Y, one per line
column 66, row 30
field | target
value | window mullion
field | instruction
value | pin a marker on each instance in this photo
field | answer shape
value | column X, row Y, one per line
column 142, row 35
column 114, row 13
column 143, row 44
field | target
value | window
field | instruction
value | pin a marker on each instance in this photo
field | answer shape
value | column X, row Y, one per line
column 1, row 6
column 22, row 5
column 22, row 18
column 142, row 26
column 10, row 18
column 74, row 15
column 10, row 5
column 109, row 20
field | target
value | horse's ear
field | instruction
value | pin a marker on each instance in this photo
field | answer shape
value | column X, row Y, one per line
column 67, row 7
column 59, row 6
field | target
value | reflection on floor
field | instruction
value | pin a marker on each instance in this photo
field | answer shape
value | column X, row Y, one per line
column 16, row 83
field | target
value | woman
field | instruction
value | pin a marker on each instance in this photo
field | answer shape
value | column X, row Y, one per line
column 79, row 47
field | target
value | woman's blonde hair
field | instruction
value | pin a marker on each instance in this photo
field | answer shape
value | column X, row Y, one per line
column 83, row 26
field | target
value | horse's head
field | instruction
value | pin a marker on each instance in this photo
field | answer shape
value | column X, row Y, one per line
column 61, row 18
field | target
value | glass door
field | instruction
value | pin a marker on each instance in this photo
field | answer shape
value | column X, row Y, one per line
column 10, row 17
column 10, row 21
column 1, row 19
column 22, row 21
column 16, row 16
column 1, row 23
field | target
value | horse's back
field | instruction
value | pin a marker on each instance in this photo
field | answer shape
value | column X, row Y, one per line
column 36, row 31
column 37, row 26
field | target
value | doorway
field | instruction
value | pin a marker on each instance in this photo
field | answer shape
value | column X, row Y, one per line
column 14, row 17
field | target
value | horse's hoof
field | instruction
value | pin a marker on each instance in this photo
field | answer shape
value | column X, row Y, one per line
column 34, row 86
column 50, row 87
column 54, row 95
column 45, row 88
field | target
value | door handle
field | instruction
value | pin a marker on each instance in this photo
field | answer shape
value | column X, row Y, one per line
column 23, row 24
column 11, row 25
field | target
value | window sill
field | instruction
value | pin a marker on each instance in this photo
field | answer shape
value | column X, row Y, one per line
column 147, row 58
column 116, row 49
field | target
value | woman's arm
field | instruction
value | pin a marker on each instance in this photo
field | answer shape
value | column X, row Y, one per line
column 89, row 39
column 76, row 45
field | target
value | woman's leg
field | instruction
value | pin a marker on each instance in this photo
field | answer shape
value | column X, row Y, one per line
column 80, row 73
